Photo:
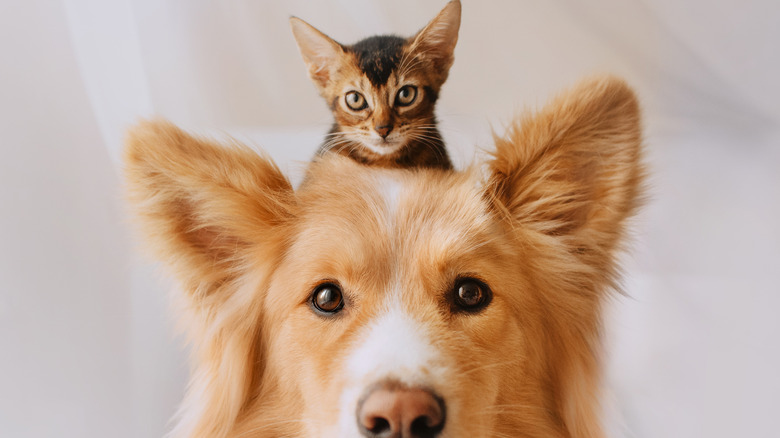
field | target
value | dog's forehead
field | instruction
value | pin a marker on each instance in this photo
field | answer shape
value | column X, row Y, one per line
column 381, row 213
column 394, row 203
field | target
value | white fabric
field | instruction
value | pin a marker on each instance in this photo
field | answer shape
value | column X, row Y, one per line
column 87, row 346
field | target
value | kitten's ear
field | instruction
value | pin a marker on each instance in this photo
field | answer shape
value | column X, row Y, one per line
column 436, row 41
column 321, row 54
column 205, row 209
column 572, row 171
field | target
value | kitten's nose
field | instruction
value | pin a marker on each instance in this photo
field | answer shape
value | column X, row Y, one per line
column 383, row 130
column 389, row 412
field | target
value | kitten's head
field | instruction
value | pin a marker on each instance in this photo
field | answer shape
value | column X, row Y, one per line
column 382, row 90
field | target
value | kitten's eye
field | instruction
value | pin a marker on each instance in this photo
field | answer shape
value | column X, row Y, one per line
column 327, row 298
column 406, row 95
column 471, row 295
column 355, row 101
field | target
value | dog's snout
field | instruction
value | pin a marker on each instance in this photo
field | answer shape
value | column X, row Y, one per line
column 389, row 411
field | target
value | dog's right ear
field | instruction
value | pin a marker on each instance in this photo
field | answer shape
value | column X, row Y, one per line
column 213, row 214
column 204, row 208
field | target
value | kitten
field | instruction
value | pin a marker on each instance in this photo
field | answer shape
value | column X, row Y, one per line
column 382, row 91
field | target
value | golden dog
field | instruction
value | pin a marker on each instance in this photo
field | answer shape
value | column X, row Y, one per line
column 397, row 302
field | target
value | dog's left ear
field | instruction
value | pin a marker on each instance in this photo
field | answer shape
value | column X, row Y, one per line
column 573, row 169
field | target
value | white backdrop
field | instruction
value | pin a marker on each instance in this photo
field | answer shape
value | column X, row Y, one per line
column 87, row 347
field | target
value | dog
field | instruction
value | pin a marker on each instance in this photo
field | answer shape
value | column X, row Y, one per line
column 397, row 302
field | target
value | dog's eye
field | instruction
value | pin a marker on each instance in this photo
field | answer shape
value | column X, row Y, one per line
column 471, row 295
column 327, row 298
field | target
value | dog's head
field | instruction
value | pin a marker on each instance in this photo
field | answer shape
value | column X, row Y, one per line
column 397, row 303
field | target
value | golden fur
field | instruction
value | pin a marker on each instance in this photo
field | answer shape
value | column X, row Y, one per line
column 541, row 226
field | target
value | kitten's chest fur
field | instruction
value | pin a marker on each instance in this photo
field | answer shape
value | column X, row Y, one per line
column 428, row 152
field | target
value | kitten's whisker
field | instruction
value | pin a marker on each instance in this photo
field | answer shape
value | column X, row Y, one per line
column 435, row 143
column 426, row 133
column 434, row 138
column 336, row 143
column 431, row 131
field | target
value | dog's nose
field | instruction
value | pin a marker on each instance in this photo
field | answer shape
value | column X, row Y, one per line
column 383, row 130
column 389, row 411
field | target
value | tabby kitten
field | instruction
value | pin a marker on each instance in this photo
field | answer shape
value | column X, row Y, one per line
column 382, row 91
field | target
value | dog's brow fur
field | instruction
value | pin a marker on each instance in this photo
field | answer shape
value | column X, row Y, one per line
column 541, row 229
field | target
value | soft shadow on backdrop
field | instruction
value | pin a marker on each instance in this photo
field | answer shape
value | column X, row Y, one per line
column 87, row 347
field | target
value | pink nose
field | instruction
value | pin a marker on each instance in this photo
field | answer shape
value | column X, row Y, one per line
column 389, row 411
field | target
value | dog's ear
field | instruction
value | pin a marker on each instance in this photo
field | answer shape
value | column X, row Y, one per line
column 212, row 213
column 573, row 169
column 566, row 179
column 203, row 207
